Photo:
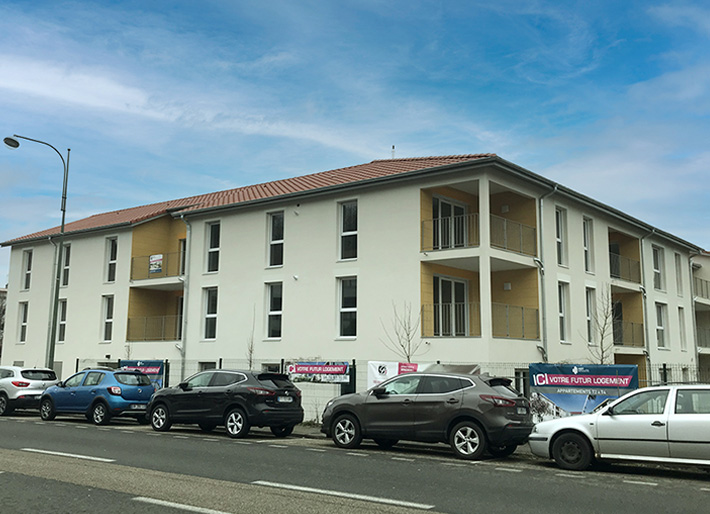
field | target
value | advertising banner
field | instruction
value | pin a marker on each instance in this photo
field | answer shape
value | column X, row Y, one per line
column 154, row 369
column 324, row 372
column 378, row 371
column 559, row 390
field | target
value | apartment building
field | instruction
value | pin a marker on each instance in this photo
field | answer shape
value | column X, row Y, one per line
column 490, row 263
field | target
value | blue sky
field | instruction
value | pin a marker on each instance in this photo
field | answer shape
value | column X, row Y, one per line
column 160, row 100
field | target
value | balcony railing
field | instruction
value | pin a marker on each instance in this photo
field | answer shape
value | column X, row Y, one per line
column 451, row 320
column 703, row 337
column 624, row 268
column 155, row 328
column 157, row 266
column 515, row 322
column 702, row 288
column 450, row 232
column 627, row 333
column 513, row 236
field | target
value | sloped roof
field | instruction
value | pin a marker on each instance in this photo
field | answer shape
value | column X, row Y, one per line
column 352, row 175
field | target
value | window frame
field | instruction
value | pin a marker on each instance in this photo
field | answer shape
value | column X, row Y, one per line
column 561, row 236
column 27, row 256
column 678, row 273
column 211, row 247
column 62, row 321
column 661, row 325
column 66, row 258
column 347, row 233
column 111, row 258
column 273, row 313
column 591, row 304
column 682, row 330
column 346, row 310
column 108, row 306
column 658, row 263
column 23, row 326
column 563, row 298
column 274, row 242
column 588, row 243
column 210, row 318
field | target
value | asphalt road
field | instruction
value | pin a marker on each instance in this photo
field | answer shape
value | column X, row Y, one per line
column 69, row 465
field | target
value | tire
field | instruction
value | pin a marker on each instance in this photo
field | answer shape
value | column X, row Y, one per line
column 386, row 444
column 468, row 440
column 100, row 414
column 237, row 424
column 573, row 452
column 207, row 426
column 346, row 432
column 282, row 431
column 502, row 451
column 46, row 410
column 5, row 408
column 160, row 418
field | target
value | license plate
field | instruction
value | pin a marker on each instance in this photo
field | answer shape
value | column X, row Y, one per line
column 522, row 410
column 284, row 399
column 136, row 406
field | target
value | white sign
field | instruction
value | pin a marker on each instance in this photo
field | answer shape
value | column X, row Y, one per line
column 379, row 371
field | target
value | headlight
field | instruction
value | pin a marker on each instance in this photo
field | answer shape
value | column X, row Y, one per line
column 327, row 405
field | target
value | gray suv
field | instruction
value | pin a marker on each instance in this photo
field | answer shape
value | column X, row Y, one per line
column 472, row 413
column 22, row 387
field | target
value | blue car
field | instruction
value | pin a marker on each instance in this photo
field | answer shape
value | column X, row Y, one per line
column 99, row 394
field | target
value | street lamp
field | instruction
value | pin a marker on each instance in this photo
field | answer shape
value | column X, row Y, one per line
column 13, row 143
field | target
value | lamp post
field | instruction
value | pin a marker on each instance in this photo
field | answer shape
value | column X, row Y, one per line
column 13, row 143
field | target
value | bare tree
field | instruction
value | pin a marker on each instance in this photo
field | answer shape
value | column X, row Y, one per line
column 250, row 341
column 403, row 336
column 601, row 326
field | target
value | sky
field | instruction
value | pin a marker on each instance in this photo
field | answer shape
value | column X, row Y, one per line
column 166, row 99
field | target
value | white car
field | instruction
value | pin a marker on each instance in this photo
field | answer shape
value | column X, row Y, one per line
column 665, row 424
column 20, row 388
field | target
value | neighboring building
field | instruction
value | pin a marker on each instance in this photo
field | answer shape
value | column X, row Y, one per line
column 504, row 266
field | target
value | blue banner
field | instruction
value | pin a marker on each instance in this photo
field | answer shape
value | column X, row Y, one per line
column 154, row 369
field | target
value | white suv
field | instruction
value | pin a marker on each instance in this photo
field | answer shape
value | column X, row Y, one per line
column 664, row 424
column 22, row 387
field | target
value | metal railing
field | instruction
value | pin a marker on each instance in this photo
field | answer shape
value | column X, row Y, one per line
column 703, row 337
column 624, row 268
column 450, row 232
column 451, row 320
column 157, row 266
column 701, row 288
column 627, row 333
column 515, row 322
column 155, row 328
column 513, row 236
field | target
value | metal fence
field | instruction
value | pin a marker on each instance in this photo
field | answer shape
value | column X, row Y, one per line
column 513, row 236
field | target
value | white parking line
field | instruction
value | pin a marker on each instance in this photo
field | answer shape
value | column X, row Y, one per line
column 350, row 496
column 403, row 459
column 637, row 482
column 73, row 455
column 212, row 439
column 706, row 489
column 569, row 475
column 153, row 434
column 181, row 437
column 510, row 470
column 180, row 506
column 355, row 454
column 278, row 446
column 242, row 442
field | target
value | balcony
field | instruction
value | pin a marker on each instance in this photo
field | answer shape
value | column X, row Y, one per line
column 515, row 322
column 624, row 268
column 451, row 320
column 703, row 337
column 450, row 232
column 628, row 334
column 701, row 288
column 513, row 236
column 155, row 328
column 157, row 266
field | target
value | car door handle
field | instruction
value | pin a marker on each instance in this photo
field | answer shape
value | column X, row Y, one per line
column 658, row 424
column 407, row 401
column 452, row 400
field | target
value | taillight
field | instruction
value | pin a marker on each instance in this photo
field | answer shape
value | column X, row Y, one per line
column 115, row 390
column 18, row 383
column 261, row 392
column 498, row 401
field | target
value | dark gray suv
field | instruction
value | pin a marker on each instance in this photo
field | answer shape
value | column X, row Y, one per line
column 473, row 413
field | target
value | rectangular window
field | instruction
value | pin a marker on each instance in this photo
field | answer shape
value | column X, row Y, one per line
column 111, row 258
column 450, row 307
column 561, row 235
column 24, row 312
column 66, row 255
column 658, row 278
column 108, row 318
column 591, row 304
column 275, row 310
column 348, row 230
column 26, row 269
column 62, row 327
column 563, row 300
column 661, row 325
column 276, row 238
column 212, row 247
column 210, row 313
column 588, row 242
column 681, row 324
column 679, row 274
column 348, row 307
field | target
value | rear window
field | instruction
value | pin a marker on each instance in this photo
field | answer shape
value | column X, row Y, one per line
column 277, row 379
column 132, row 379
column 39, row 374
column 502, row 386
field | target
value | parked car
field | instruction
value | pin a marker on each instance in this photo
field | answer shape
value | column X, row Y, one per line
column 21, row 388
column 100, row 394
column 236, row 399
column 666, row 424
column 473, row 413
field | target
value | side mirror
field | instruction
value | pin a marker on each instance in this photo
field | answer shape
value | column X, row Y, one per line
column 184, row 386
column 608, row 412
column 60, row 384
column 379, row 391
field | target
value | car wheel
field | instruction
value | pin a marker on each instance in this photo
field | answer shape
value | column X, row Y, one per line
column 346, row 432
column 502, row 451
column 386, row 444
column 5, row 408
column 468, row 440
column 237, row 424
column 282, row 431
column 207, row 426
column 100, row 414
column 160, row 418
column 572, row 451
column 46, row 410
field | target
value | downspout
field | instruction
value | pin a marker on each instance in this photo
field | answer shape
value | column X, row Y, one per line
column 541, row 265
column 647, row 351
column 185, row 280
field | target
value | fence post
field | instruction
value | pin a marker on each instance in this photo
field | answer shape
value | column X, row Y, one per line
column 351, row 386
column 664, row 374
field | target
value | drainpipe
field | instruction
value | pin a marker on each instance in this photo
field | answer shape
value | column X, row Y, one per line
column 541, row 266
column 642, row 288
column 185, row 281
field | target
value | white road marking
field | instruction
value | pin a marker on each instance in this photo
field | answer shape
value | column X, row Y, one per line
column 278, row 446
column 358, row 454
column 361, row 497
column 706, row 489
column 569, row 475
column 180, row 506
column 73, row 455
column 242, row 442
column 153, row 434
column 637, row 482
column 81, row 427
column 510, row 470
column 403, row 459
column 181, row 437
column 316, row 450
